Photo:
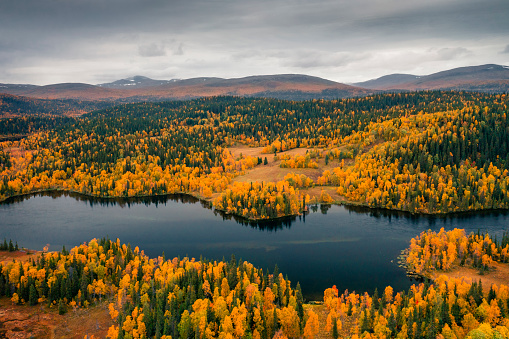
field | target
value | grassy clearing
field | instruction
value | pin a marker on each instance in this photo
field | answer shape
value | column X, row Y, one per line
column 22, row 255
column 273, row 173
column 498, row 275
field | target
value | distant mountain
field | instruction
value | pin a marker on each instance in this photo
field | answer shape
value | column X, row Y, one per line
column 484, row 78
column 287, row 86
column 6, row 88
column 137, row 81
column 388, row 81
column 77, row 91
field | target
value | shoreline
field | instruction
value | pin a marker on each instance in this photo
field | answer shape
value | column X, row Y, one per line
column 202, row 199
column 497, row 274
column 410, row 273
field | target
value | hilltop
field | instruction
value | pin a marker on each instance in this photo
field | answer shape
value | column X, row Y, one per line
column 483, row 78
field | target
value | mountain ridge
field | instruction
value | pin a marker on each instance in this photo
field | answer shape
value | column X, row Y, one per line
column 137, row 81
column 139, row 88
column 484, row 78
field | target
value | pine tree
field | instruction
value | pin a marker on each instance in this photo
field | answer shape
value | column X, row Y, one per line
column 335, row 333
column 33, row 298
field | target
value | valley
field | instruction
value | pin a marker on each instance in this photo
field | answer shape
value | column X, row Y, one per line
column 254, row 170
column 265, row 164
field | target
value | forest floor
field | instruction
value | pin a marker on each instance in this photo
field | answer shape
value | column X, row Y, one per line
column 21, row 255
column 321, row 310
column 497, row 275
column 41, row 321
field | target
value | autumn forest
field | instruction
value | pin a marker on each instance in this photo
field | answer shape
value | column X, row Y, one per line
column 428, row 152
column 424, row 152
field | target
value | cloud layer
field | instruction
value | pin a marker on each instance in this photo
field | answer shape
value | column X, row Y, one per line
column 96, row 41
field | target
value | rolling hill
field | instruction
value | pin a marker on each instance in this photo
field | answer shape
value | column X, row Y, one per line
column 13, row 106
column 485, row 78
column 287, row 86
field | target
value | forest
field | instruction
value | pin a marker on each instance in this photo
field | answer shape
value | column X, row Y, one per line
column 18, row 106
column 186, row 298
column 424, row 152
column 441, row 251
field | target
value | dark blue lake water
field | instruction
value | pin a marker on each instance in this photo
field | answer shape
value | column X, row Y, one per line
column 352, row 248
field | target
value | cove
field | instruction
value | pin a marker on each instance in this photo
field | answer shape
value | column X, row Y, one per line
column 352, row 248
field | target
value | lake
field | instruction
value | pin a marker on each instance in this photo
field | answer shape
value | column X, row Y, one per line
column 352, row 248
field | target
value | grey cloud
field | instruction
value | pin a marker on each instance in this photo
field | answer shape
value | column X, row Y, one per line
column 237, row 38
column 179, row 50
column 506, row 50
column 321, row 59
column 451, row 19
column 245, row 54
column 152, row 50
column 452, row 53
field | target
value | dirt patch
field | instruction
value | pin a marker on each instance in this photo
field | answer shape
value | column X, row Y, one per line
column 76, row 324
column 40, row 321
column 246, row 151
column 370, row 146
column 496, row 276
column 16, row 151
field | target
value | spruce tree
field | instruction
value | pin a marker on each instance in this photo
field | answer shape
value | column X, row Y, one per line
column 33, row 298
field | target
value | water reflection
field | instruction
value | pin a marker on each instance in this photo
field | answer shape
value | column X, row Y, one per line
column 386, row 213
column 263, row 225
column 106, row 202
column 433, row 221
column 351, row 247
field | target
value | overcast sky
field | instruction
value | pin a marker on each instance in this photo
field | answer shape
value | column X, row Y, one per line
column 96, row 41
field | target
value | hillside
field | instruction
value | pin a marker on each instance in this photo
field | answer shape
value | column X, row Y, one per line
column 289, row 86
column 77, row 91
column 484, row 78
column 18, row 106
column 425, row 152
column 388, row 81
column 107, row 289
